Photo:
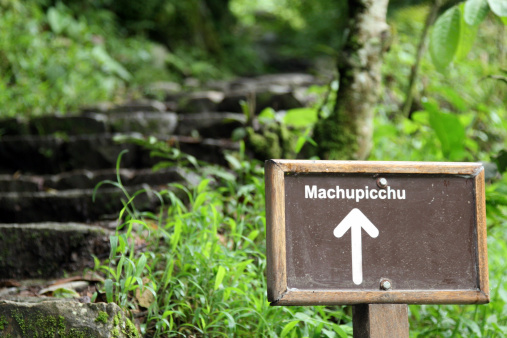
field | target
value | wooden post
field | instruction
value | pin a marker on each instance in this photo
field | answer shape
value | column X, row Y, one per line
column 380, row 320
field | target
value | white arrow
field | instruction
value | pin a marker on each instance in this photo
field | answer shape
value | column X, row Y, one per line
column 356, row 220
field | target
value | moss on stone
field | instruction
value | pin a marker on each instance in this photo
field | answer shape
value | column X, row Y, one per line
column 130, row 330
column 75, row 333
column 335, row 138
column 3, row 322
column 115, row 332
column 116, row 320
column 44, row 326
column 18, row 317
column 61, row 326
column 102, row 317
column 266, row 145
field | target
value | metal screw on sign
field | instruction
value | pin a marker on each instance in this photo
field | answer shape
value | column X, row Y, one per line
column 386, row 284
column 382, row 182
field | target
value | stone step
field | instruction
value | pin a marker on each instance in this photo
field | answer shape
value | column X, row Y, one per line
column 276, row 97
column 210, row 125
column 135, row 106
column 86, row 179
column 279, row 91
column 51, row 317
column 49, row 154
column 71, row 205
column 149, row 123
column 45, row 250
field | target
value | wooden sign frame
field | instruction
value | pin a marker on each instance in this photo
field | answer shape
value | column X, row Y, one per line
column 278, row 291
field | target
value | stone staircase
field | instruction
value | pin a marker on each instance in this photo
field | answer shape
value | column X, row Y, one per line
column 50, row 219
column 53, row 219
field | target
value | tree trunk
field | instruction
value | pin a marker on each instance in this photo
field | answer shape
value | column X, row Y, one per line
column 347, row 133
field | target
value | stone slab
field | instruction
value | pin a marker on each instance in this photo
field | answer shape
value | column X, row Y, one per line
column 70, row 205
column 52, row 154
column 44, row 250
column 210, row 125
column 144, row 123
column 64, row 318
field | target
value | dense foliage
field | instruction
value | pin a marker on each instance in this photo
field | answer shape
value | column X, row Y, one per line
column 198, row 266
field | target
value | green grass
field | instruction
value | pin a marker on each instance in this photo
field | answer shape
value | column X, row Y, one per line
column 205, row 264
column 205, row 261
column 203, row 257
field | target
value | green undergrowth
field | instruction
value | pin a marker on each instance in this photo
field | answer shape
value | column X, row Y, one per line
column 198, row 267
column 203, row 270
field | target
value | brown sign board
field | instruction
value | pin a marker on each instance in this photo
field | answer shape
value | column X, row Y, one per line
column 350, row 232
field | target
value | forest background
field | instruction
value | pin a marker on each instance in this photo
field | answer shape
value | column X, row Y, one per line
column 56, row 56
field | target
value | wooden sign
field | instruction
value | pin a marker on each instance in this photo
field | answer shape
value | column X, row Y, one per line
column 347, row 232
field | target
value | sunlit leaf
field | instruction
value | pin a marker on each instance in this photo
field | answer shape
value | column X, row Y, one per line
column 466, row 37
column 56, row 20
column 288, row 328
column 114, row 245
column 140, row 265
column 445, row 38
column 108, row 284
column 499, row 7
column 301, row 117
column 472, row 326
column 65, row 293
column 475, row 11
column 220, row 277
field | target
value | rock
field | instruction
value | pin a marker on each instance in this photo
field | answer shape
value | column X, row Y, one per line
column 277, row 97
column 231, row 101
column 97, row 152
column 82, row 179
column 213, row 125
column 200, row 102
column 20, row 183
column 100, row 107
column 260, row 83
column 287, row 79
column 14, row 126
column 86, row 179
column 69, row 205
column 163, row 90
column 68, row 125
column 191, row 82
column 144, row 123
column 64, row 318
column 25, row 253
column 34, row 154
column 161, row 178
column 138, row 106
column 218, row 85
column 209, row 150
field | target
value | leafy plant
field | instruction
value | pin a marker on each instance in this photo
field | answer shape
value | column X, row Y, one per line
column 455, row 30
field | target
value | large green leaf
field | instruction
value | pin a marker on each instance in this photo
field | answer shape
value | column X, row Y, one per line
column 301, row 117
column 475, row 11
column 445, row 38
column 467, row 34
column 449, row 130
column 499, row 7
